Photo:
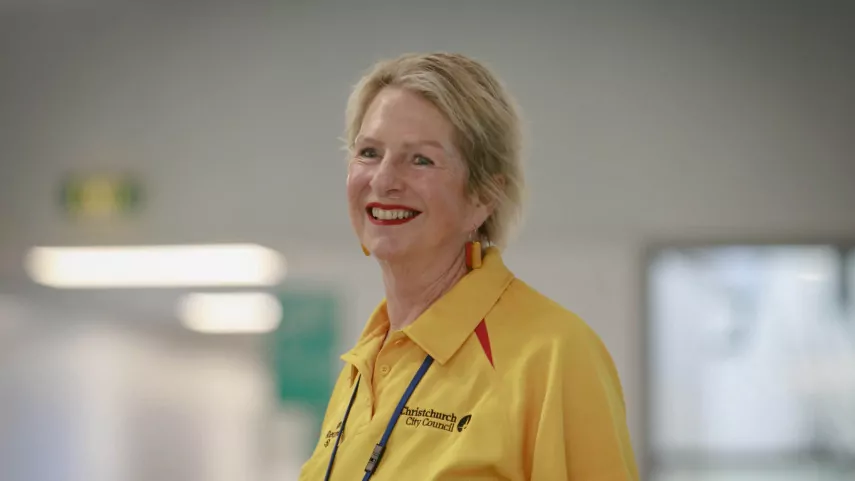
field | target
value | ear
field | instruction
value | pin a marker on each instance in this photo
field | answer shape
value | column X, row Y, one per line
column 481, row 213
column 489, row 199
column 484, row 203
column 481, row 209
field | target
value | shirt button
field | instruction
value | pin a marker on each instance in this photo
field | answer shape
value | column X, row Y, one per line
column 384, row 370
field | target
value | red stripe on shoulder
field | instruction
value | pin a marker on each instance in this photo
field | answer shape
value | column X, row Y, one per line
column 484, row 338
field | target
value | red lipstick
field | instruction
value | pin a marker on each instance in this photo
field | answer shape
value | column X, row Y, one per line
column 385, row 218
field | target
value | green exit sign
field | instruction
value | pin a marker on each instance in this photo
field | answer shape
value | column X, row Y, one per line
column 100, row 196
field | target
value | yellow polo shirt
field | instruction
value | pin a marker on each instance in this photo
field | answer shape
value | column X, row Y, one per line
column 520, row 389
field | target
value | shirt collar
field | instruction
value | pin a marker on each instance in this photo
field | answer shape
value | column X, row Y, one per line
column 369, row 343
column 443, row 328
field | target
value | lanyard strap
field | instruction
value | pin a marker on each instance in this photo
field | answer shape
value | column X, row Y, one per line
column 374, row 460
column 377, row 453
column 341, row 429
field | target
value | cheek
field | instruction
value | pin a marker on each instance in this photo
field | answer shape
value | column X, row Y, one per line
column 354, row 202
column 357, row 181
column 451, row 208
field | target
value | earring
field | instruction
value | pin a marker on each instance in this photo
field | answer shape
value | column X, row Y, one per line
column 366, row 251
column 473, row 254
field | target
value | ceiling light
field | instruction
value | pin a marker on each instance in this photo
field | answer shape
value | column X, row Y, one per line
column 229, row 313
column 155, row 266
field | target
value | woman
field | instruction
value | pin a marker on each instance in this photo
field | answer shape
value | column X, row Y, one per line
column 463, row 372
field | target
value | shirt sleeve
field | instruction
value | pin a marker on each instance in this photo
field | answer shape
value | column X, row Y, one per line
column 579, row 432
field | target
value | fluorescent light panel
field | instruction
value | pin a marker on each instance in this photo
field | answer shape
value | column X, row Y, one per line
column 155, row 266
column 230, row 313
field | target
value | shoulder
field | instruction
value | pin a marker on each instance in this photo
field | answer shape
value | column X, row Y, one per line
column 539, row 321
column 562, row 388
column 540, row 337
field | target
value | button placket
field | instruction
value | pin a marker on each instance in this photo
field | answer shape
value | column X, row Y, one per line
column 389, row 356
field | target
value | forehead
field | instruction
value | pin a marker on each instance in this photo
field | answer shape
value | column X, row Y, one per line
column 399, row 115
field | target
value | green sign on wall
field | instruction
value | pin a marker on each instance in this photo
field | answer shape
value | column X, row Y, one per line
column 305, row 349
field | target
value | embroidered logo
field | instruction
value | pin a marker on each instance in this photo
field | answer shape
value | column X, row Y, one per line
column 464, row 421
column 331, row 436
column 418, row 417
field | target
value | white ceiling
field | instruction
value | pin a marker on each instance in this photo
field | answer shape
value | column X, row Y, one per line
column 696, row 119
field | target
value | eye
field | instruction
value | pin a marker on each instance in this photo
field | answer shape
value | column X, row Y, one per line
column 422, row 160
column 368, row 153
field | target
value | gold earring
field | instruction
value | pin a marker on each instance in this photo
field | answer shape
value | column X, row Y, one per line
column 473, row 251
column 473, row 254
column 365, row 251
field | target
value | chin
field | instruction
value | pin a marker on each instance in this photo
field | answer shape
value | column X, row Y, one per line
column 387, row 250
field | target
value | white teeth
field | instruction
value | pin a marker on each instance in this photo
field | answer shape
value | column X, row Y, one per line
column 393, row 214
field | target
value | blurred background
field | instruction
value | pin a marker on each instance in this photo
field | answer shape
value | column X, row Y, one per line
column 692, row 188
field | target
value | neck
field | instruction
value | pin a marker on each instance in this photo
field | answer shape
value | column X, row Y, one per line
column 413, row 285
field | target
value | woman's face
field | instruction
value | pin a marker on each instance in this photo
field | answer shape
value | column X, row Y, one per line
column 406, row 182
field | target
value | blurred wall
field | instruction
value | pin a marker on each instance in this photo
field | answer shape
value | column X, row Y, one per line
column 87, row 397
column 646, row 121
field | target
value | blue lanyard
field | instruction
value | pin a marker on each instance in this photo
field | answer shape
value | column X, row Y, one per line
column 374, row 460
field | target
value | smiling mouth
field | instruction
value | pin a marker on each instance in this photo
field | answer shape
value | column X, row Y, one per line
column 390, row 215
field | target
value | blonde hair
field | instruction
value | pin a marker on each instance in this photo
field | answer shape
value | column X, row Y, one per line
column 484, row 117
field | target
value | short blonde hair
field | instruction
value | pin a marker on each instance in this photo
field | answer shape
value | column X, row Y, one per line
column 484, row 117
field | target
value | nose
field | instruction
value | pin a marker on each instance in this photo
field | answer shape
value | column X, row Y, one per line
column 387, row 177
